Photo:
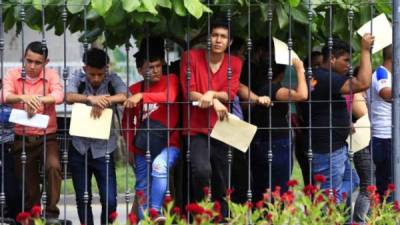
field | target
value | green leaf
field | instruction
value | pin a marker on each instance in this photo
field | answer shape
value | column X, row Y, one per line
column 115, row 15
column 75, row 6
column 283, row 19
column 194, row 7
column 165, row 3
column 130, row 5
column 294, row 3
column 37, row 4
column 101, row 6
column 150, row 6
column 179, row 8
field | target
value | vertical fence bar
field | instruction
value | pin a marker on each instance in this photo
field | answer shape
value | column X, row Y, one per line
column 309, row 78
column 290, row 133
column 44, row 47
column 128, row 141
column 229, row 77
column 249, row 52
column 85, row 48
column 330, row 45
column 208, row 89
column 64, row 16
column 269, row 77
column 396, row 97
column 23, row 76
column 188, row 103
column 2, row 193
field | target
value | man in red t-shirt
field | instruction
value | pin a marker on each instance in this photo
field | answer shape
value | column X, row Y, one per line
column 151, row 109
column 205, row 79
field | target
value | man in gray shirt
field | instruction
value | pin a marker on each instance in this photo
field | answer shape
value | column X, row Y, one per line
column 95, row 87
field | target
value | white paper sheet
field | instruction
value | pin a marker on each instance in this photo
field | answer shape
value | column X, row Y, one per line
column 381, row 29
column 362, row 135
column 20, row 116
column 83, row 125
column 234, row 132
column 282, row 52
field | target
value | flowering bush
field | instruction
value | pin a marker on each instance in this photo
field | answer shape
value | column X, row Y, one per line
column 299, row 205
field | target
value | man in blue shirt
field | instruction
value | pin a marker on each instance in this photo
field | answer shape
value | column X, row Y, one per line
column 100, row 90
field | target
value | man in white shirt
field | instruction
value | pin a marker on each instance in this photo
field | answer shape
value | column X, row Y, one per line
column 381, row 116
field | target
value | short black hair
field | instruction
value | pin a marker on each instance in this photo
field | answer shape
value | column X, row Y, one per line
column 219, row 22
column 95, row 57
column 37, row 47
column 314, row 54
column 387, row 53
column 339, row 48
column 156, row 51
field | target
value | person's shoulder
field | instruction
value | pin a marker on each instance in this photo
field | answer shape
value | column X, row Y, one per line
column 136, row 87
column 236, row 60
column 13, row 73
column 381, row 73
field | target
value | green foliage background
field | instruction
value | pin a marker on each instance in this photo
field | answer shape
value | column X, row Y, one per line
column 119, row 20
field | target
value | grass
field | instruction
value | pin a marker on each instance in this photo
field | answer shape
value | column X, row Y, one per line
column 121, row 181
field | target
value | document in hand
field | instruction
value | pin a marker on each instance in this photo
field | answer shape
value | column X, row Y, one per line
column 362, row 135
column 234, row 132
column 282, row 52
column 20, row 116
column 83, row 125
column 381, row 29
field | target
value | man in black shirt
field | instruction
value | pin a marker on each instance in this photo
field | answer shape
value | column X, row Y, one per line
column 328, row 109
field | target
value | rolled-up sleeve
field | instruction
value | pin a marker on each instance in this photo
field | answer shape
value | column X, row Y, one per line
column 56, row 88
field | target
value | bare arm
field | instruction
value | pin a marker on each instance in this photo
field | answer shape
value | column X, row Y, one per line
column 359, row 107
column 363, row 79
column 386, row 93
column 300, row 94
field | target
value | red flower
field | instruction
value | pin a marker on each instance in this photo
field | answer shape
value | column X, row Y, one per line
column 167, row 199
column 36, row 211
column 206, row 191
column 269, row 216
column 259, row 204
column 344, row 196
column 354, row 223
column 23, row 218
column 319, row 198
column 309, row 190
column 277, row 193
column 288, row 197
column 132, row 219
column 217, row 206
column 177, row 211
column 371, row 189
column 141, row 197
column 195, row 208
column 113, row 216
column 292, row 183
column 229, row 192
column 396, row 206
column 391, row 187
column 153, row 213
column 249, row 205
column 208, row 213
column 319, row 178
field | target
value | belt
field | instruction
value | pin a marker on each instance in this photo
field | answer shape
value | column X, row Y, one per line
column 33, row 138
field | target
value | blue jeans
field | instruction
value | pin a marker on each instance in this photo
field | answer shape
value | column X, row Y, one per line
column 282, row 162
column 344, row 176
column 96, row 167
column 382, row 156
column 158, row 178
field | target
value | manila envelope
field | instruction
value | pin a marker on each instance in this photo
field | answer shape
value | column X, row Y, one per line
column 282, row 52
column 381, row 29
column 83, row 125
column 234, row 132
column 362, row 135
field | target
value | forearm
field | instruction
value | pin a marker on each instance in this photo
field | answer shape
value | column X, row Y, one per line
column 365, row 71
column 12, row 99
column 76, row 98
column 118, row 98
column 246, row 94
column 222, row 96
column 195, row 96
column 49, row 99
